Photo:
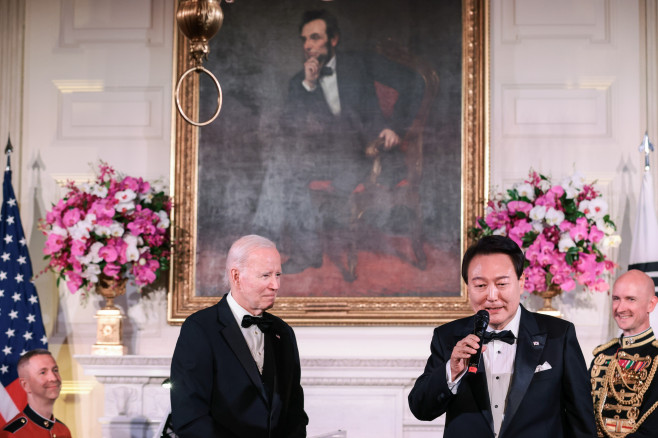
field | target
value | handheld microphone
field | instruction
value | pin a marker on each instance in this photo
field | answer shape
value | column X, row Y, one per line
column 481, row 323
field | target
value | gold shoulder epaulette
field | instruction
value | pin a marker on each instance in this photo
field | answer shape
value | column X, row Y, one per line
column 608, row 344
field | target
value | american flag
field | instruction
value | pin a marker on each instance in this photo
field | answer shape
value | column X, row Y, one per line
column 21, row 326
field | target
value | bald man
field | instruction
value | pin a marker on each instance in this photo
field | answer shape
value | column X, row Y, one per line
column 623, row 371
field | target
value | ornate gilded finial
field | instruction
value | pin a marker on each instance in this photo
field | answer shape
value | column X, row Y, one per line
column 9, row 149
column 646, row 147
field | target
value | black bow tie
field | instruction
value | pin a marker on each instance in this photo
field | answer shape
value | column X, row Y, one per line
column 264, row 323
column 326, row 71
column 505, row 336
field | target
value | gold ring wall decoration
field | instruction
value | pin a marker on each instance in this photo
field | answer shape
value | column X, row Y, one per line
column 199, row 21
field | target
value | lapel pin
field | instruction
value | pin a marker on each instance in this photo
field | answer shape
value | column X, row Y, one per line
column 535, row 343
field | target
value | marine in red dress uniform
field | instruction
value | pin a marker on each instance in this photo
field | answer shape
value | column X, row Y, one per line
column 29, row 424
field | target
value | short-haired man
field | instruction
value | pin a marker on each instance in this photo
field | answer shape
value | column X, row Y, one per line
column 623, row 370
column 39, row 377
column 235, row 372
column 533, row 379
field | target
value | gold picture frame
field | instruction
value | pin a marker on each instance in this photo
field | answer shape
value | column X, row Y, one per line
column 400, row 310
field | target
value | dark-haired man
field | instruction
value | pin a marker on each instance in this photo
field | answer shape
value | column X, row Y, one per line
column 39, row 377
column 624, row 384
column 532, row 381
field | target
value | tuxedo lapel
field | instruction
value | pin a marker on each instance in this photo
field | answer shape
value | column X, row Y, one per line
column 272, row 357
column 530, row 345
column 235, row 339
column 477, row 383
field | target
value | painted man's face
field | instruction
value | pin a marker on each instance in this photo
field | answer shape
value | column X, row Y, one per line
column 316, row 43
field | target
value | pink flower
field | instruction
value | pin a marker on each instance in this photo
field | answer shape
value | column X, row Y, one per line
column 519, row 230
column 78, row 247
column 54, row 243
column 74, row 282
column 580, row 231
column 112, row 270
column 519, row 206
column 71, row 217
column 595, row 235
column 109, row 253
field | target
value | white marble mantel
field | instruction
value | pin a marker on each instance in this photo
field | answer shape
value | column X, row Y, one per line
column 339, row 394
column 135, row 401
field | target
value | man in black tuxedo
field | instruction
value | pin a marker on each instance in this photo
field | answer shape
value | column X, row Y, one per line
column 235, row 372
column 532, row 379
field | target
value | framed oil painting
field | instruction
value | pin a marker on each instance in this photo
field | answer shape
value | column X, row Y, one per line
column 352, row 134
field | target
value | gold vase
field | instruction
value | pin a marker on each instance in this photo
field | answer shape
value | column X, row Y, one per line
column 548, row 295
column 109, row 340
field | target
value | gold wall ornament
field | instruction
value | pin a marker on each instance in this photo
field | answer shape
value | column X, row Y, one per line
column 199, row 21
column 109, row 338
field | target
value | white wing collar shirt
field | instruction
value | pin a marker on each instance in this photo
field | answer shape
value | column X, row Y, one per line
column 329, row 85
column 252, row 334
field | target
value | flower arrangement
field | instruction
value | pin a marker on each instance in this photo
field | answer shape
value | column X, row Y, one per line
column 562, row 228
column 116, row 226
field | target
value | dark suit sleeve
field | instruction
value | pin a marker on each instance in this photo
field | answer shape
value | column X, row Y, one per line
column 576, row 390
column 430, row 396
column 296, row 416
column 191, row 375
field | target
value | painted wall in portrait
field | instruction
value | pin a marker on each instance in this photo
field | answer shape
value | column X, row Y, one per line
column 259, row 160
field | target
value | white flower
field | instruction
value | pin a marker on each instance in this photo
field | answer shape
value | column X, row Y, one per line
column 126, row 200
column 132, row 253
column 115, row 230
column 99, row 190
column 577, row 181
column 59, row 231
column 159, row 186
column 538, row 212
column 502, row 231
column 554, row 217
column 612, row 241
column 537, row 226
column 92, row 254
column 594, row 209
column 570, row 192
column 148, row 197
column 80, row 231
column 163, row 223
column 85, row 187
column 544, row 185
column 526, row 190
column 565, row 242
column 91, row 272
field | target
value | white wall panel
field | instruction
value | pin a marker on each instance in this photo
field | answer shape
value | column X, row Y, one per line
column 114, row 113
column 555, row 111
column 541, row 19
column 102, row 21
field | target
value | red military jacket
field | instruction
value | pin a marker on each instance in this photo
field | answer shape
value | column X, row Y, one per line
column 29, row 424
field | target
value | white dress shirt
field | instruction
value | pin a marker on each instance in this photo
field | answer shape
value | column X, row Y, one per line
column 499, row 367
column 329, row 85
column 253, row 335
